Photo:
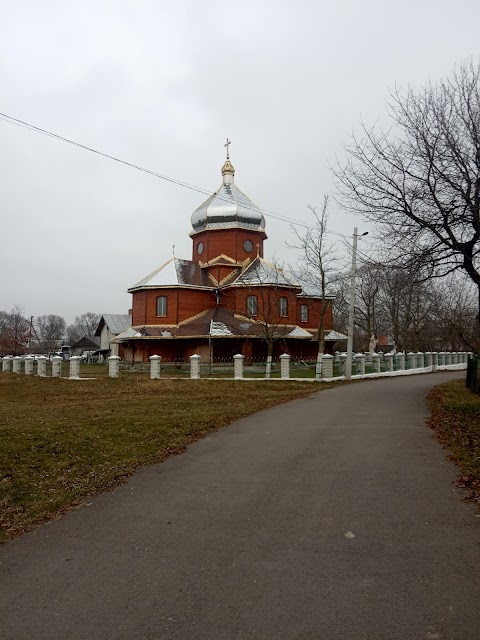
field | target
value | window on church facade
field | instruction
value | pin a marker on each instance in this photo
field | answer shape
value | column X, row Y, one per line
column 162, row 306
column 304, row 313
column 283, row 307
column 252, row 305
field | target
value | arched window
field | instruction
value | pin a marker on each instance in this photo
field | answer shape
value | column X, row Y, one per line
column 304, row 313
column 162, row 307
column 252, row 305
column 283, row 307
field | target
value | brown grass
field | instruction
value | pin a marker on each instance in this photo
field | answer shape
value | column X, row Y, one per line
column 456, row 421
column 62, row 440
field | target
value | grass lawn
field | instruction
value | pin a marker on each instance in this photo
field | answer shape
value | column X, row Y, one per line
column 456, row 421
column 62, row 440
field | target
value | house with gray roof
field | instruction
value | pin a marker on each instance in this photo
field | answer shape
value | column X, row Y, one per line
column 109, row 326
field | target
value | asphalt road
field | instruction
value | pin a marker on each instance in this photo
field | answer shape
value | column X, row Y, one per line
column 333, row 517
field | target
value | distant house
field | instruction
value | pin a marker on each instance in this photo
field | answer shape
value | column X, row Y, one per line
column 84, row 344
column 109, row 326
column 385, row 344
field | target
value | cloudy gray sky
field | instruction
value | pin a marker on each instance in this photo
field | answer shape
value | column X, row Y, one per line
column 161, row 84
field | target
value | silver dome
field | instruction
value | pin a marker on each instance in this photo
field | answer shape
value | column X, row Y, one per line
column 228, row 208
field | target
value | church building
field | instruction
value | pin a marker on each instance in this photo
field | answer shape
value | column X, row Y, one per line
column 227, row 299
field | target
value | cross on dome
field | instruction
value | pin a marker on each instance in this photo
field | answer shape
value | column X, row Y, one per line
column 227, row 170
column 228, row 142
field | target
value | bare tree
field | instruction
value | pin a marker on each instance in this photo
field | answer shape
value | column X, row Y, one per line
column 50, row 330
column 393, row 302
column 84, row 326
column 456, row 325
column 268, row 291
column 14, row 332
column 420, row 181
column 318, row 265
column 368, row 284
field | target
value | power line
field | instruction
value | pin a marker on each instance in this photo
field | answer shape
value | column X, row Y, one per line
column 21, row 123
column 31, row 127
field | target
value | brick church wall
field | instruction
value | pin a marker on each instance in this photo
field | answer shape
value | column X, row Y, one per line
column 182, row 303
column 228, row 242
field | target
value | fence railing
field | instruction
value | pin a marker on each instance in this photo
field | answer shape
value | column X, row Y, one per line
column 328, row 367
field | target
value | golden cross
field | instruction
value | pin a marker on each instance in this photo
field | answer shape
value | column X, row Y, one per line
column 226, row 145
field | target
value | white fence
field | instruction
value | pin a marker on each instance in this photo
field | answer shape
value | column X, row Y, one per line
column 329, row 368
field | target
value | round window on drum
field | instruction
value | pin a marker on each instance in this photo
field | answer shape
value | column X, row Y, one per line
column 248, row 246
column 200, row 248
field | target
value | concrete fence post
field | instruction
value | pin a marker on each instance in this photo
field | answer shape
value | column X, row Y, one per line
column 155, row 367
column 238, row 363
column 113, row 366
column 327, row 366
column 376, row 362
column 360, row 364
column 388, row 361
column 56, row 366
column 41, row 366
column 420, row 359
column 401, row 361
column 412, row 360
column 75, row 367
column 285, row 366
column 441, row 358
column 195, row 366
column 428, row 358
column 29, row 366
column 114, row 348
column 454, row 357
column 6, row 363
column 17, row 364
column 434, row 360
column 318, row 366
column 448, row 358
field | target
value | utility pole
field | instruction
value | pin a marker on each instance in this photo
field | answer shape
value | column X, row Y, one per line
column 351, row 307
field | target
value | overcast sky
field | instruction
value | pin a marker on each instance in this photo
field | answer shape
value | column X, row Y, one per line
column 161, row 84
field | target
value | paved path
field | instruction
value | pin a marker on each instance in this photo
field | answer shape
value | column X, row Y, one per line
column 333, row 517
